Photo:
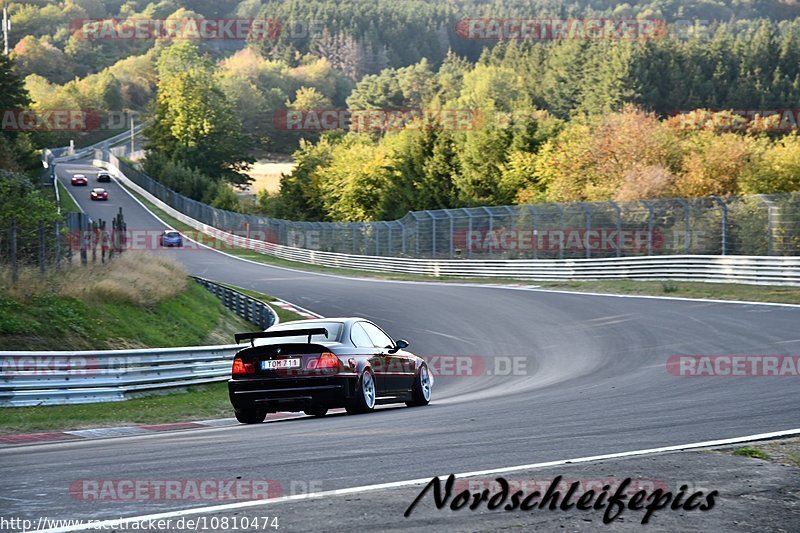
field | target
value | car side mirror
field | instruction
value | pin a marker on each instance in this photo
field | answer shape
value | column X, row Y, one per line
column 400, row 344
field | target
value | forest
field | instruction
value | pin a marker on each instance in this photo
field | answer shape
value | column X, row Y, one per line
column 709, row 106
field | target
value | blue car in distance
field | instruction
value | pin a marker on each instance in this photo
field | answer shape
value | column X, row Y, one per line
column 171, row 238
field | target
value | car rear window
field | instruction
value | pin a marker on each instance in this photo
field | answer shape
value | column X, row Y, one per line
column 334, row 331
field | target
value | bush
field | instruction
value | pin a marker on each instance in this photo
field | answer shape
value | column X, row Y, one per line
column 180, row 178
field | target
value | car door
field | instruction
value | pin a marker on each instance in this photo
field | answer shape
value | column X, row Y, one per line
column 366, row 348
column 398, row 368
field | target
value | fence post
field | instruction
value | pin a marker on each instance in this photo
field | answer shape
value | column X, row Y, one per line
column 376, row 237
column 469, row 232
column 14, row 272
column 770, row 224
column 686, row 232
column 724, row 223
column 618, row 209
column 433, row 234
column 587, row 211
column 491, row 223
column 649, row 207
column 561, row 228
column 416, row 232
column 513, row 216
column 41, row 247
column 58, row 246
column 389, row 251
column 535, row 237
column 452, row 246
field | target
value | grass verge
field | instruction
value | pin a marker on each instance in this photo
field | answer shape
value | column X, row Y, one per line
column 785, row 451
column 67, row 203
column 751, row 452
column 197, row 402
column 684, row 289
column 134, row 301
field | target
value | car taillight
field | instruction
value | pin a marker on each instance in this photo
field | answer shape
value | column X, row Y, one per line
column 241, row 368
column 325, row 360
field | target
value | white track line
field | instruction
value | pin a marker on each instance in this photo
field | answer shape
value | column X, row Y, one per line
column 115, row 523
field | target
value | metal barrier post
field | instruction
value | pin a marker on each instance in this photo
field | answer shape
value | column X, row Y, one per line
column 618, row 209
column 650, row 215
column 469, row 232
column 452, row 246
column 587, row 211
column 686, row 232
column 535, row 238
column 770, row 224
column 724, row 223
column 561, row 227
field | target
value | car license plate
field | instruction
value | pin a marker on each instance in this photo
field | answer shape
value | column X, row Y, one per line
column 275, row 364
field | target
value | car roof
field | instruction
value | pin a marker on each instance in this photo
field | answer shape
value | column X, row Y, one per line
column 79, row 175
column 99, row 189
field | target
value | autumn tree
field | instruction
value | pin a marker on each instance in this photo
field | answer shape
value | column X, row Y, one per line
column 193, row 121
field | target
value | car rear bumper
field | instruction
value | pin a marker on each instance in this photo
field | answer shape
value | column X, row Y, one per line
column 291, row 394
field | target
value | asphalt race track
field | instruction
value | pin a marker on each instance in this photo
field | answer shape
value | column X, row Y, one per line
column 591, row 379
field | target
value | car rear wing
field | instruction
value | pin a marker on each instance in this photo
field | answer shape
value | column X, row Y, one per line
column 282, row 333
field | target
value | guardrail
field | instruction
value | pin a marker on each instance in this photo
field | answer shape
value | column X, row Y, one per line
column 58, row 378
column 767, row 270
column 254, row 311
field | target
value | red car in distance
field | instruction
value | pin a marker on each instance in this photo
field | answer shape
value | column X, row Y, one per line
column 79, row 179
column 99, row 194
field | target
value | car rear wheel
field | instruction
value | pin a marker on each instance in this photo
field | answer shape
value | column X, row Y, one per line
column 421, row 392
column 364, row 400
column 250, row 416
column 316, row 411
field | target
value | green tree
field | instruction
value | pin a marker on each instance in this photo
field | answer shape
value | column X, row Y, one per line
column 308, row 98
column 16, row 149
column 193, row 120
column 300, row 196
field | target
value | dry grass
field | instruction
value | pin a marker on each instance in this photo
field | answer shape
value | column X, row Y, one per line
column 138, row 278
column 267, row 175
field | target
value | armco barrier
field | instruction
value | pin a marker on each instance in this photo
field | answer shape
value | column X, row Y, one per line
column 768, row 270
column 254, row 311
column 56, row 378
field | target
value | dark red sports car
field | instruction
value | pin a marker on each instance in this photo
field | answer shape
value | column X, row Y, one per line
column 99, row 194
column 320, row 364
column 79, row 179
